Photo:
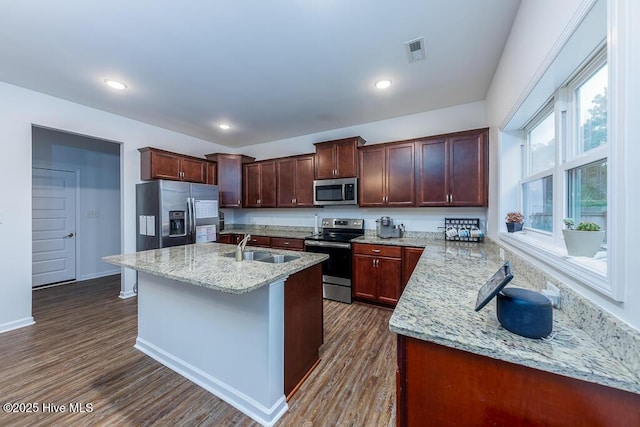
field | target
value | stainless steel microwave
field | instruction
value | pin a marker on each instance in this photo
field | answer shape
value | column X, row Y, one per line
column 327, row 192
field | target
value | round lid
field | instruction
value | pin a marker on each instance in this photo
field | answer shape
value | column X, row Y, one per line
column 520, row 295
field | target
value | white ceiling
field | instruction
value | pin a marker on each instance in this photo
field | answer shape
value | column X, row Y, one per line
column 272, row 69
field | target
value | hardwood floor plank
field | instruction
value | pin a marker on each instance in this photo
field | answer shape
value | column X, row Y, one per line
column 81, row 351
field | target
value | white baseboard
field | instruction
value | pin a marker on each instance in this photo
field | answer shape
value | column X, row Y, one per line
column 15, row 324
column 128, row 294
column 245, row 404
column 98, row 275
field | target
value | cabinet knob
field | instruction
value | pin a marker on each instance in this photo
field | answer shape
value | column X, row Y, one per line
column 375, row 251
column 286, row 243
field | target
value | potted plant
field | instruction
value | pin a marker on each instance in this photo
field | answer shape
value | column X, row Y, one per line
column 514, row 221
column 585, row 239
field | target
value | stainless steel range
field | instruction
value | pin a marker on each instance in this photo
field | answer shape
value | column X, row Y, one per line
column 334, row 240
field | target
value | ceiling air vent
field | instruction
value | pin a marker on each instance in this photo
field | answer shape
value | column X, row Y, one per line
column 415, row 49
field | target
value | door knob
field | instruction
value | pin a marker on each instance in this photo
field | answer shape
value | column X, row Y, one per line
column 68, row 236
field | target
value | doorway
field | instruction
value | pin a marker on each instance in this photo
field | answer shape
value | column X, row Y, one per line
column 95, row 165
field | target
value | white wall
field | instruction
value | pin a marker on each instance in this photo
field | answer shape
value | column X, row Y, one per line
column 19, row 110
column 538, row 30
column 97, row 165
column 452, row 119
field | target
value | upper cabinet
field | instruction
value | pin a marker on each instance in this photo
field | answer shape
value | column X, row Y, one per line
column 161, row 164
column 338, row 159
column 260, row 184
column 386, row 175
column 230, row 177
column 452, row 170
column 295, row 181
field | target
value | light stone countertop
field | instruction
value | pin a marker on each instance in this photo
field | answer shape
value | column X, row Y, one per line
column 286, row 234
column 204, row 264
column 438, row 306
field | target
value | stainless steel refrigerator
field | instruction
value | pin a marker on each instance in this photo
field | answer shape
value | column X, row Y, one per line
column 174, row 213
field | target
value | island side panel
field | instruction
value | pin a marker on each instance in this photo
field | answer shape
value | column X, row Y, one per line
column 230, row 344
column 447, row 386
column 303, row 325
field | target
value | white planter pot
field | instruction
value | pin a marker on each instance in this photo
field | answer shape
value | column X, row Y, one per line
column 583, row 243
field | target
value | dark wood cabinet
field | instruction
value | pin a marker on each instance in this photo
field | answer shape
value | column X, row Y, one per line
column 259, row 241
column 259, row 184
column 295, row 181
column 410, row 258
column 451, row 387
column 287, row 243
column 386, row 175
column 338, row 158
column 230, row 177
column 161, row 164
column 232, row 239
column 452, row 170
column 377, row 273
column 212, row 173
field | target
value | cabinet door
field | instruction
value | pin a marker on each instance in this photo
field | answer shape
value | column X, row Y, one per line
column 325, row 165
column 193, row 170
column 371, row 188
column 388, row 272
column 268, row 184
column 467, row 172
column 251, row 182
column 165, row 166
column 230, row 181
column 410, row 258
column 432, row 172
column 304, row 181
column 346, row 160
column 212, row 173
column 286, row 170
column 364, row 277
column 400, row 190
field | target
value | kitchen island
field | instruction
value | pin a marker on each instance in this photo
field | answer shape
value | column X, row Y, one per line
column 247, row 331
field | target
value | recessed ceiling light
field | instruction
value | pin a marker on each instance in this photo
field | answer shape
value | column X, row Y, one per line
column 224, row 126
column 383, row 84
column 114, row 84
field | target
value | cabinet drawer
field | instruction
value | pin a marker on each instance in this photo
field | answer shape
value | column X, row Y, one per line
column 259, row 241
column 284, row 243
column 377, row 250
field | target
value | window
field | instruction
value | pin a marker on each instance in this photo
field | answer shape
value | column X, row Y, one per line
column 564, row 171
column 537, row 182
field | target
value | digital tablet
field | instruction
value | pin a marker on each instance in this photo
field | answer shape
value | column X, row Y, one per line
column 494, row 285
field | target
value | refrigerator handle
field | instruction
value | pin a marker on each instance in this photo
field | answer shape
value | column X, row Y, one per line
column 190, row 217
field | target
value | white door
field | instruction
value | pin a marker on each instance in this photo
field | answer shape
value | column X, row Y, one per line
column 54, row 226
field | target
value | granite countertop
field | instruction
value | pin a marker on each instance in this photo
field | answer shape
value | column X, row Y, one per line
column 438, row 305
column 204, row 264
column 420, row 242
column 286, row 234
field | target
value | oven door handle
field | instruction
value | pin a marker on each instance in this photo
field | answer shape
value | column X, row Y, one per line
column 328, row 244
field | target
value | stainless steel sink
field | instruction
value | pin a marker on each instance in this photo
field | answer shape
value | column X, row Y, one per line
column 278, row 259
column 249, row 255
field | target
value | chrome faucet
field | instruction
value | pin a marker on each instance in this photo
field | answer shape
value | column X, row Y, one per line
column 240, row 247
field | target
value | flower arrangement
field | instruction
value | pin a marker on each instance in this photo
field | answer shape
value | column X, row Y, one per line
column 583, row 226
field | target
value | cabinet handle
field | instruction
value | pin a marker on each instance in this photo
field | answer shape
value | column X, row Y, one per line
column 238, row 201
column 377, row 263
column 286, row 243
column 375, row 251
column 450, row 198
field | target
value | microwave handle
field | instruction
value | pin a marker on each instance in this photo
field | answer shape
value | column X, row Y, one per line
column 344, row 192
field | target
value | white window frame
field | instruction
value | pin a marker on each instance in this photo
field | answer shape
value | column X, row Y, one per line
column 549, row 246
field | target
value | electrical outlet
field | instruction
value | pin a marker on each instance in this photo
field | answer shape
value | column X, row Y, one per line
column 553, row 293
column 502, row 254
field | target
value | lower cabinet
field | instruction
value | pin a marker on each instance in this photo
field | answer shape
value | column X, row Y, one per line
column 264, row 241
column 410, row 258
column 232, row 239
column 377, row 273
column 444, row 386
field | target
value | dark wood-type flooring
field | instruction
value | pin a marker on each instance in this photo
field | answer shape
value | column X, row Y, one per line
column 81, row 351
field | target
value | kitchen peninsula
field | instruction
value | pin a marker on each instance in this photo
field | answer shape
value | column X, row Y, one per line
column 247, row 331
